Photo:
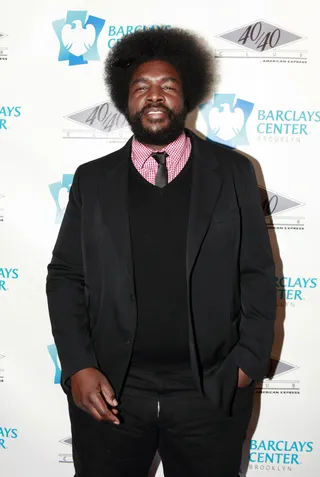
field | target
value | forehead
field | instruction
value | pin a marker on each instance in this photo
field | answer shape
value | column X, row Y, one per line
column 156, row 69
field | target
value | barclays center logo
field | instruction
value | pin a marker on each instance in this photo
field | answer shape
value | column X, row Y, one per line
column 294, row 290
column 285, row 125
column 7, row 276
column 60, row 193
column 278, row 455
column 7, row 435
column 100, row 121
column 78, row 35
column 230, row 120
column 52, row 349
column 8, row 114
column 225, row 119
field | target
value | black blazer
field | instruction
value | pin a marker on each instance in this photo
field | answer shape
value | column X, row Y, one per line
column 229, row 271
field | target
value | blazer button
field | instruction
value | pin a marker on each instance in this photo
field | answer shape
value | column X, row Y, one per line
column 132, row 297
column 127, row 342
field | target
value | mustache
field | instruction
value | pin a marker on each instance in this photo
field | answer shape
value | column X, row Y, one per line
column 145, row 109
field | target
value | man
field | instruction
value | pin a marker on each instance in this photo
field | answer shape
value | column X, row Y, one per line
column 161, row 287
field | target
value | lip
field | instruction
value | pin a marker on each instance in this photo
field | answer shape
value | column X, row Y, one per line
column 155, row 112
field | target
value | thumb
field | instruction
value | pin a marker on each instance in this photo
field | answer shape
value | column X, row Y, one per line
column 108, row 393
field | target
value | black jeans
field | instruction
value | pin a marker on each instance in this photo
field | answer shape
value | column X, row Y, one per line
column 167, row 414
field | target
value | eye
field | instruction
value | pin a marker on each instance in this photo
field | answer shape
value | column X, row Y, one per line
column 141, row 88
column 168, row 87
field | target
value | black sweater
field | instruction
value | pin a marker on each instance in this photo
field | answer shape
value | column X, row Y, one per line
column 158, row 224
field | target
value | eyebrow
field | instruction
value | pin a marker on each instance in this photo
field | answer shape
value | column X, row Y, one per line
column 145, row 80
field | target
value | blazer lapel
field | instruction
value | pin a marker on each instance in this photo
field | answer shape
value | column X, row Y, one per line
column 113, row 198
column 205, row 191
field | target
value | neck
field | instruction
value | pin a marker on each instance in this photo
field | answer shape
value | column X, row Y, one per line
column 147, row 139
column 156, row 148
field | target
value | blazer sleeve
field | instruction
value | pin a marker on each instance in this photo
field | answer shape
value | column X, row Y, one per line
column 257, row 278
column 65, row 289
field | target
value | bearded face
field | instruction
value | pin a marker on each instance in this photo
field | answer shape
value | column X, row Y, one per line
column 156, row 110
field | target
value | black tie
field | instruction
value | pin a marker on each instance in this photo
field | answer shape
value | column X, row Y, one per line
column 162, row 172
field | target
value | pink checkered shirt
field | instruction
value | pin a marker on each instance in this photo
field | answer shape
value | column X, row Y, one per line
column 178, row 154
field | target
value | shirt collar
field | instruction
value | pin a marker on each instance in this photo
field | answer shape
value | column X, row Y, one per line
column 140, row 153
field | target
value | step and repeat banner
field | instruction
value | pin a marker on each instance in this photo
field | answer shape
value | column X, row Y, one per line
column 55, row 114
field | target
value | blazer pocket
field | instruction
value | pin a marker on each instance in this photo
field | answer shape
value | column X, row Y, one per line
column 225, row 215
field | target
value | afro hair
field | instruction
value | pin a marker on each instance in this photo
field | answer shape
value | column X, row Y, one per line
column 185, row 51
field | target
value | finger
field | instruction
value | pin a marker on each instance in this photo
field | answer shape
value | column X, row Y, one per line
column 108, row 394
column 90, row 409
column 114, row 410
column 98, row 403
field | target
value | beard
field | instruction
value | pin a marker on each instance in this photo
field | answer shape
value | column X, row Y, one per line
column 162, row 136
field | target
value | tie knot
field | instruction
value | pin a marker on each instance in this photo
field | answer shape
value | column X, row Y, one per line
column 160, row 157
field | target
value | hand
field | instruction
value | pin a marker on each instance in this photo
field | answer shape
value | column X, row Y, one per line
column 91, row 392
column 243, row 379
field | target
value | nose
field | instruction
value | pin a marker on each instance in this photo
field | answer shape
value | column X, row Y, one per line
column 155, row 95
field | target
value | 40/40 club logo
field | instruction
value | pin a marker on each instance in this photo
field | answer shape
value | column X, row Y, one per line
column 280, row 211
column 66, row 458
column 228, row 119
column 1, row 368
column 262, row 40
column 282, row 378
column 259, row 36
column 278, row 455
column 3, row 49
column 2, row 207
column 101, row 121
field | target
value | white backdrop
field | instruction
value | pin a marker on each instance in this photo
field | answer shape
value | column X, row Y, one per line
column 55, row 115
